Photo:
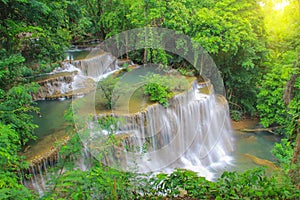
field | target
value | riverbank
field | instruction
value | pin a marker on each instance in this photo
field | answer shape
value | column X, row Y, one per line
column 244, row 124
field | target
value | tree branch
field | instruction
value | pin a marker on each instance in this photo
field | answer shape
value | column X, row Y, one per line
column 270, row 130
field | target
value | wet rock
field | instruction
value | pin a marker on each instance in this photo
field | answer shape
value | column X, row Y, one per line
column 261, row 162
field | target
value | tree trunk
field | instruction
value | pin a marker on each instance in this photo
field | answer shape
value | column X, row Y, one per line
column 288, row 93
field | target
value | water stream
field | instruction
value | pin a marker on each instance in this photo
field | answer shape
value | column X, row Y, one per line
column 52, row 127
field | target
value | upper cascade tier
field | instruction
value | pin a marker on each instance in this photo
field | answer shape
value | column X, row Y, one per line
column 76, row 77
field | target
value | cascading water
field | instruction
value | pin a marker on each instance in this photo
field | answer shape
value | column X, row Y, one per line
column 194, row 132
column 95, row 67
column 54, row 86
column 71, row 79
column 76, row 77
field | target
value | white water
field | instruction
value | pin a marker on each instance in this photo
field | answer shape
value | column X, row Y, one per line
column 84, row 74
column 96, row 66
column 194, row 132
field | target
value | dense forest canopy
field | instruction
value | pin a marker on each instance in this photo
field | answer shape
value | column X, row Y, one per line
column 255, row 45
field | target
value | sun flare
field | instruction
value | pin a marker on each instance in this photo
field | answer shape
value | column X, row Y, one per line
column 281, row 5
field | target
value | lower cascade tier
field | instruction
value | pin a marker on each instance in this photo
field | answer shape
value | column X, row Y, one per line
column 194, row 132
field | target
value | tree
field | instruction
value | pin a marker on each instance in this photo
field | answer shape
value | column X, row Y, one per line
column 12, row 69
column 278, row 96
column 232, row 31
column 112, row 89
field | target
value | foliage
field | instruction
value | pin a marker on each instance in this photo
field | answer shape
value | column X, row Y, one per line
column 109, row 123
column 252, row 184
column 158, row 93
column 10, row 188
column 270, row 105
column 9, row 148
column 10, row 163
column 186, row 72
column 282, row 67
column 36, row 29
column 232, row 31
column 161, row 87
column 96, row 182
column 284, row 153
column 16, row 123
column 179, row 180
column 16, row 107
column 11, row 68
column 236, row 114
column 103, row 182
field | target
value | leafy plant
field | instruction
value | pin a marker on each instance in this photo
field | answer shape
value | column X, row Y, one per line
column 161, row 87
column 109, row 123
column 10, row 163
column 181, row 180
column 16, row 108
column 158, row 93
column 284, row 153
column 252, row 184
column 236, row 115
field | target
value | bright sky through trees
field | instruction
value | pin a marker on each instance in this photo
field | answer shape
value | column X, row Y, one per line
column 280, row 5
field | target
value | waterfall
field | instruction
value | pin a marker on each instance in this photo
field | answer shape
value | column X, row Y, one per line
column 194, row 132
column 37, row 175
column 54, row 87
column 76, row 77
column 96, row 66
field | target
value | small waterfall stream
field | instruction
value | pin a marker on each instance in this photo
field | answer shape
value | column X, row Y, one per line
column 95, row 67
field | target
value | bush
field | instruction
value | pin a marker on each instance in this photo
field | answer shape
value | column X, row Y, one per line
column 160, row 88
column 158, row 93
column 252, row 184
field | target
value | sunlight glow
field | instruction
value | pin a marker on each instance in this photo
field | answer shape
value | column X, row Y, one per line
column 280, row 6
column 262, row 4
